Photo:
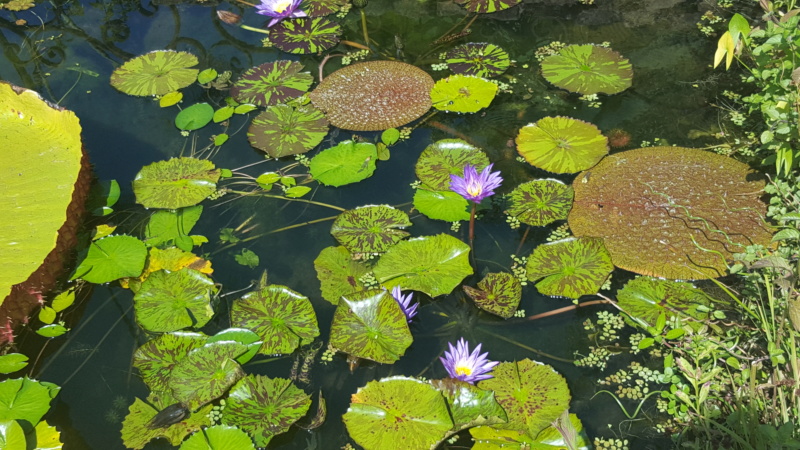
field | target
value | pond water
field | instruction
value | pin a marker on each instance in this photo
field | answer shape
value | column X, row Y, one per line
column 68, row 50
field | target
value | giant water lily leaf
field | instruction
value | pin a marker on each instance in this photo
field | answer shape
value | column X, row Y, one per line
column 670, row 212
column 338, row 274
column 319, row 8
column 219, row 437
column 434, row 265
column 570, row 267
column 25, row 399
column 540, row 202
column 463, row 94
column 283, row 318
column 175, row 183
column 487, row 6
column 561, row 144
column 644, row 299
column 170, row 301
column 370, row 229
column 532, row 394
column 371, row 325
column 272, row 83
column 497, row 293
column 588, row 69
column 305, row 35
column 135, row 430
column 447, row 157
column 374, row 95
column 397, row 413
column 165, row 228
column 469, row 405
column 112, row 258
column 479, row 59
column 39, row 172
column 347, row 162
column 156, row 358
column 155, row 73
column 284, row 130
column 265, row 407
column 441, row 205
column 206, row 373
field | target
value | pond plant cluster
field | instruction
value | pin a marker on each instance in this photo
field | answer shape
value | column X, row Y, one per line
column 713, row 363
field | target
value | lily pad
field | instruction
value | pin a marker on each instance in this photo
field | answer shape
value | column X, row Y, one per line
column 489, row 438
column 497, row 293
column 644, row 299
column 156, row 358
column 155, row 73
column 136, row 432
column 462, row 94
column 469, row 405
column 194, row 117
column 175, row 183
column 338, row 274
column 671, row 212
column 434, row 265
column 532, row 394
column 170, row 301
column 370, row 229
column 12, row 436
column 166, row 228
column 284, row 130
column 570, row 267
column 25, row 400
column 540, row 202
column 487, row 6
column 397, row 413
column 319, row 8
column 219, row 437
column 206, row 373
column 112, row 258
column 265, row 407
column 305, row 35
column 588, row 69
column 479, row 59
column 447, row 157
column 246, row 337
column 283, row 318
column 272, row 83
column 441, row 205
column 347, row 162
column 12, row 362
column 371, row 325
column 561, row 144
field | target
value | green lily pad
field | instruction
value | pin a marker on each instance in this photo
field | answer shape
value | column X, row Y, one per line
column 112, row 258
column 469, row 405
column 170, row 227
column 219, row 437
column 156, row 358
column 155, row 73
column 136, row 432
column 561, row 144
column 305, row 35
column 487, row 6
column 272, row 83
column 175, row 183
column 370, row 229
column 397, row 413
column 206, row 373
column 479, row 59
column 338, row 274
column 12, row 436
column 490, row 438
column 170, row 301
column 319, row 8
column 194, row 117
column 371, row 325
column 644, row 299
column 265, row 407
column 588, row 69
column 13, row 362
column 441, row 205
column 284, row 130
column 570, row 267
column 246, row 337
column 347, row 162
column 447, row 157
column 532, row 394
column 540, row 202
column 434, row 265
column 25, row 400
column 497, row 293
column 462, row 94
column 283, row 318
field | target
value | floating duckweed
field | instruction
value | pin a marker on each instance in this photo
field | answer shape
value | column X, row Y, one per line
column 598, row 357
column 519, row 313
column 610, row 444
column 455, row 226
column 513, row 222
column 518, row 268
column 562, row 232
column 368, row 280
column 328, row 354
column 610, row 324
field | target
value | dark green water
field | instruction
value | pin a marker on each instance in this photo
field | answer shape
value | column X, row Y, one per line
column 69, row 57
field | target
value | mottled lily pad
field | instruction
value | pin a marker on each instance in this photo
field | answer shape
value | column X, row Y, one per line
column 338, row 274
column 588, row 69
column 487, row 6
column 136, row 432
column 272, row 83
column 347, row 162
column 441, row 205
column 319, row 8
column 206, row 373
column 370, row 229
column 447, row 157
column 156, row 358
column 175, row 183
column 469, row 405
column 490, row 438
column 570, row 267
column 155, row 73
column 284, row 130
column 170, row 301
column 644, row 299
column 540, row 202
column 371, row 325
column 561, row 144
column 479, row 59
column 497, row 293
column 463, row 94
column 305, row 35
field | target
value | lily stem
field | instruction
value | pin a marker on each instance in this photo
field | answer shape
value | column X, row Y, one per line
column 472, row 235
column 569, row 308
column 364, row 26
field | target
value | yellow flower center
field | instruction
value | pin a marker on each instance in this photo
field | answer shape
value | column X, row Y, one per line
column 474, row 189
column 463, row 370
column 280, row 7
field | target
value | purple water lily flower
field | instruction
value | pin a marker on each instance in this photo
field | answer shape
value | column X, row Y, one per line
column 465, row 366
column 475, row 186
column 405, row 303
column 279, row 10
